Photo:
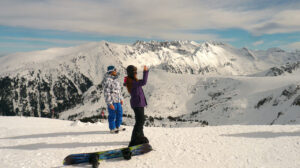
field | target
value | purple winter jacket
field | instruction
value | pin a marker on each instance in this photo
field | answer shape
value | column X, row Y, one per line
column 138, row 98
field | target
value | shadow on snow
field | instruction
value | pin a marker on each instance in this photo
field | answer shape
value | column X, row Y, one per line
column 56, row 134
column 37, row 146
column 265, row 134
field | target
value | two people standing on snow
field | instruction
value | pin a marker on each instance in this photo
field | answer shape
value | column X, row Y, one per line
column 114, row 100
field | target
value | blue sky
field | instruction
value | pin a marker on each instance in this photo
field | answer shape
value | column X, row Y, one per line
column 256, row 24
column 20, row 39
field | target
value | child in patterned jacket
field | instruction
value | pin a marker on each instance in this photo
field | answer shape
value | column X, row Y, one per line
column 113, row 99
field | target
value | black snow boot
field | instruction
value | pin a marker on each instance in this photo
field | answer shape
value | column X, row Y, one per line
column 132, row 143
column 138, row 141
column 144, row 140
column 126, row 153
column 94, row 160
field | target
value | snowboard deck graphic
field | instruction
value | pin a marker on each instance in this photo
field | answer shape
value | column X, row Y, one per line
column 104, row 155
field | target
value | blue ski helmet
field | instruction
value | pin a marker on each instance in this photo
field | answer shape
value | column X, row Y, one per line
column 110, row 69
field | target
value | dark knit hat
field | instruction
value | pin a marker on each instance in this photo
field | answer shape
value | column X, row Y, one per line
column 131, row 70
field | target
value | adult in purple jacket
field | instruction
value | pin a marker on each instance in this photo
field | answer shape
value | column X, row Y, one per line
column 137, row 102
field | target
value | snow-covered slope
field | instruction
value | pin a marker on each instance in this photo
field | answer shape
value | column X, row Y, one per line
column 216, row 99
column 246, row 100
column 43, row 143
column 288, row 68
column 211, row 82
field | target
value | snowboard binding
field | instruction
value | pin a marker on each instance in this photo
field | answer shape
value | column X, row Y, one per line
column 94, row 160
column 126, row 154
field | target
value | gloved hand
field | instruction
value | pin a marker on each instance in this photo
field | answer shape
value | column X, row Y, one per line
column 112, row 107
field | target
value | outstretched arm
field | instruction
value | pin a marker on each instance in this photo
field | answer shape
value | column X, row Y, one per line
column 144, row 80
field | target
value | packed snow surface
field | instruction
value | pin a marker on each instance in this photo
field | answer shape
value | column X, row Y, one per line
column 40, row 142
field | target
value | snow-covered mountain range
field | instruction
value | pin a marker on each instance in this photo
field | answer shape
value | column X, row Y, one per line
column 189, row 83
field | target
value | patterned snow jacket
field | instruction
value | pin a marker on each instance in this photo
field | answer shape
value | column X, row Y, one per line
column 112, row 89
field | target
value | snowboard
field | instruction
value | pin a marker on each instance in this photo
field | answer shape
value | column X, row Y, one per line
column 94, row 157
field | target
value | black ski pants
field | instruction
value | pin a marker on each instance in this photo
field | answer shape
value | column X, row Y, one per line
column 139, row 123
